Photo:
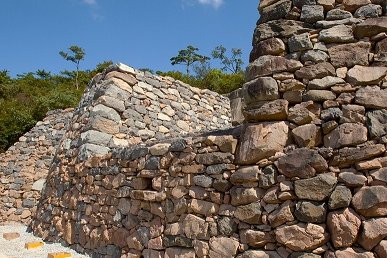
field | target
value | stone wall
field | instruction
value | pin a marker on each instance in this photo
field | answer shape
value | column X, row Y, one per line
column 24, row 167
column 304, row 176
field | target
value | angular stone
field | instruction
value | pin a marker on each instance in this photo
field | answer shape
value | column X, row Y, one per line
column 88, row 150
column 369, row 11
column 203, row 207
column 300, row 42
column 371, row 27
column 214, row 158
column 245, row 175
column 340, row 198
column 283, row 214
column 195, row 227
column 312, row 13
column 203, row 181
column 380, row 175
column 338, row 14
column 304, row 113
column 268, row 177
column 337, row 34
column 318, row 95
column 268, row 65
column 344, row 227
column 317, row 188
column 159, row 149
column 315, row 56
column 327, row 4
column 250, row 213
column 351, row 253
column 349, row 55
column 255, row 238
column 307, row 135
column 128, row 78
column 275, row 11
column 381, row 249
column 242, row 196
column 223, row 247
column 352, row 5
column 348, row 156
column 179, row 253
column 276, row 110
column 279, row 28
column 302, row 163
column 311, row 212
column 371, row 97
column 371, row 201
column 316, row 71
column 227, row 226
column 302, row 237
column 348, row 134
column 374, row 230
column 364, row 75
column 377, row 123
column 95, row 137
column 324, row 83
column 261, row 141
column 271, row 46
column 260, row 89
column 38, row 185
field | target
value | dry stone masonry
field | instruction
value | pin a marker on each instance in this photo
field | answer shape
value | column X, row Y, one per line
column 24, row 167
column 305, row 174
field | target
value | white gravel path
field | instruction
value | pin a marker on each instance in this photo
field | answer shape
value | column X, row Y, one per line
column 15, row 248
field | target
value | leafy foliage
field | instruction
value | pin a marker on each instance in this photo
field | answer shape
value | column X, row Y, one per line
column 188, row 57
column 75, row 55
column 233, row 63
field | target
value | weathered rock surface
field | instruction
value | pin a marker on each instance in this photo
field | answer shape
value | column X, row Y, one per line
column 344, row 226
column 317, row 188
column 371, row 201
column 374, row 230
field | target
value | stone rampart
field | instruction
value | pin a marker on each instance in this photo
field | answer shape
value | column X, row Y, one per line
column 24, row 167
column 304, row 176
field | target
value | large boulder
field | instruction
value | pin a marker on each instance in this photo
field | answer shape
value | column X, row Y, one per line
column 349, row 55
column 347, row 134
column 371, row 201
column 371, row 97
column 302, row 237
column 261, row 141
column 371, row 27
column 280, row 28
column 366, row 75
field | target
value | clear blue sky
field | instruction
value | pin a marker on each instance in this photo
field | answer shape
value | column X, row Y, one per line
column 140, row 33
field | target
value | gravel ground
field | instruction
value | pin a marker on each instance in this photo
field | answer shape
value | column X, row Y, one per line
column 15, row 248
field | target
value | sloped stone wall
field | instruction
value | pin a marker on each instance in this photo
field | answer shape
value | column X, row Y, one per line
column 24, row 167
column 304, row 176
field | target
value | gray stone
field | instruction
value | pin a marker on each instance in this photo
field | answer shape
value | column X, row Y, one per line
column 214, row 158
column 318, row 95
column 329, row 24
column 317, row 188
column 316, row 71
column 106, row 112
column 352, row 179
column 260, row 89
column 315, row 56
column 311, row 212
column 259, row 254
column 377, row 123
column 312, row 13
column 203, row 181
column 340, row 198
column 324, row 83
column 268, row 65
column 268, row 177
column 227, row 226
column 88, row 150
column 245, row 175
column 38, row 185
column 337, row 34
column 95, row 137
column 338, row 14
column 369, row 11
column 275, row 11
column 300, row 42
column 348, row 156
column 279, row 28
column 301, row 3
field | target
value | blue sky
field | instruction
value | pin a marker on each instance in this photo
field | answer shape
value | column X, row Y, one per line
column 140, row 33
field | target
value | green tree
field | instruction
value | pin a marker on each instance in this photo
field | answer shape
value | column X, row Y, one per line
column 75, row 55
column 188, row 57
column 232, row 64
column 43, row 74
